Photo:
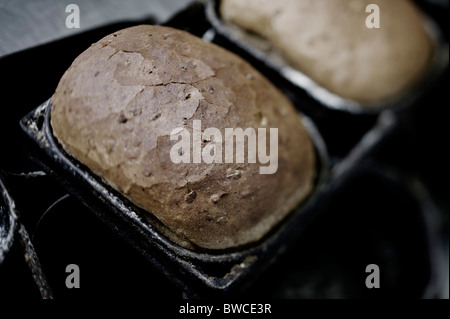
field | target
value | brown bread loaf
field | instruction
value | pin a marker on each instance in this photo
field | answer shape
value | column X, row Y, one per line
column 116, row 105
column 328, row 40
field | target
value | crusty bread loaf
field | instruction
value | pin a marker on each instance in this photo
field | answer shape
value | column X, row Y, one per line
column 328, row 40
column 117, row 104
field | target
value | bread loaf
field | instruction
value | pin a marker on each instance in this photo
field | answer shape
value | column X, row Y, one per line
column 329, row 41
column 116, row 106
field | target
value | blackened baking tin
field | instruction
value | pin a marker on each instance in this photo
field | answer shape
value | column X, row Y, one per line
column 262, row 51
column 183, row 265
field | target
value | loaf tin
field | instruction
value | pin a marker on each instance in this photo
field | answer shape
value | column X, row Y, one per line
column 262, row 51
column 379, row 216
column 188, row 267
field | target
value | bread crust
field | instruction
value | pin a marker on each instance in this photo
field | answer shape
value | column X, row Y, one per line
column 328, row 40
column 116, row 105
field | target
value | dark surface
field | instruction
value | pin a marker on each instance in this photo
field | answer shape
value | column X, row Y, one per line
column 372, row 218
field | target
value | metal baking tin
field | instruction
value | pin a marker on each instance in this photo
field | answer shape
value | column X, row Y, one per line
column 186, row 267
column 262, row 51
column 206, row 272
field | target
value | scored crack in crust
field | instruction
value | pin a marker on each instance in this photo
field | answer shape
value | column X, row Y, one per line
column 328, row 41
column 116, row 105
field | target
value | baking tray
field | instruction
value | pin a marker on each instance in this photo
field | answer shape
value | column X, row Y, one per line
column 216, row 270
column 262, row 51
column 200, row 274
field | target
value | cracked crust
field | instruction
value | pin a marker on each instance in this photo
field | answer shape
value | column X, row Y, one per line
column 328, row 41
column 115, row 107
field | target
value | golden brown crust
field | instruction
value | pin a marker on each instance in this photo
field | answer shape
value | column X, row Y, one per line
column 116, row 106
column 328, row 41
